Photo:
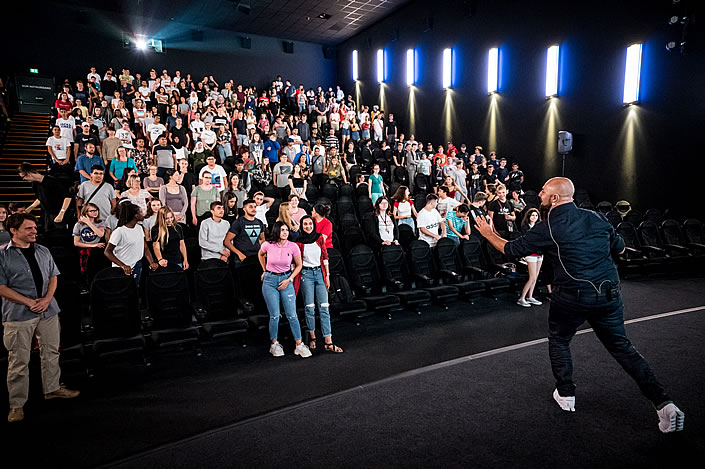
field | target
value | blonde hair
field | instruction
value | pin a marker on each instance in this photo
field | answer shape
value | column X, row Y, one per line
column 162, row 227
column 131, row 179
column 86, row 207
column 284, row 214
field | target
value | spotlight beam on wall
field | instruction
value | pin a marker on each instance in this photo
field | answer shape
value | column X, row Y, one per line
column 632, row 74
column 492, row 70
column 355, row 74
column 552, row 55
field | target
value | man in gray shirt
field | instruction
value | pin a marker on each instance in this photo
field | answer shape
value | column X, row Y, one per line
column 212, row 233
column 97, row 192
column 26, row 269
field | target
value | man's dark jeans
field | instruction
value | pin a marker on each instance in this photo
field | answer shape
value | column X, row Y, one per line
column 604, row 312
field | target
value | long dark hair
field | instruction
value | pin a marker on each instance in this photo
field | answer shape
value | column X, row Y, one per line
column 527, row 215
column 275, row 233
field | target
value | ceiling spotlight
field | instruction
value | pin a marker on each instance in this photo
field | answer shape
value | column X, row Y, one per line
column 141, row 44
column 674, row 19
column 324, row 16
column 671, row 45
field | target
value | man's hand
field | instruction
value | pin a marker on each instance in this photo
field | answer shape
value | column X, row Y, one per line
column 40, row 305
column 127, row 269
column 483, row 227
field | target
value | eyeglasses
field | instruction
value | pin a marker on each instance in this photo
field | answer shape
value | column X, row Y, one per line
column 93, row 210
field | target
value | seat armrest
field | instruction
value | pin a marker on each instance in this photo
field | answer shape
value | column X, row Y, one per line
column 450, row 276
column 474, row 272
column 424, row 279
column 676, row 247
column 653, row 249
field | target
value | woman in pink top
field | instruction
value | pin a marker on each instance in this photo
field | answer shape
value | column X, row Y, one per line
column 276, row 256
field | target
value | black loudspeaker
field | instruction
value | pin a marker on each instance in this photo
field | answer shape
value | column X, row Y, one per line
column 244, row 9
column 246, row 42
column 329, row 52
column 288, row 47
column 197, row 35
column 565, row 142
column 427, row 24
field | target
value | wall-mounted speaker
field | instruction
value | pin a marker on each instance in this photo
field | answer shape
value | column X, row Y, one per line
column 288, row 47
column 565, row 142
column 246, row 42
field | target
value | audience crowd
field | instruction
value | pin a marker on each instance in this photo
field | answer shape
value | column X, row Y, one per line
column 139, row 164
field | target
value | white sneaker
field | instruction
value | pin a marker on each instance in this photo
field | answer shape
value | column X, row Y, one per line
column 565, row 403
column 302, row 350
column 523, row 303
column 276, row 349
column 534, row 301
column 671, row 419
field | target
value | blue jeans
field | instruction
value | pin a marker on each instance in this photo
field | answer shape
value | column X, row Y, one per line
column 137, row 272
column 604, row 313
column 224, row 151
column 407, row 221
column 314, row 288
column 274, row 298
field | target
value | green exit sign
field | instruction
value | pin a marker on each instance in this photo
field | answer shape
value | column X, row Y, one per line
column 33, row 70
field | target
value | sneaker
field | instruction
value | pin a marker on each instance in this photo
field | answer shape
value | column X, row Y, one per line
column 276, row 349
column 565, row 403
column 302, row 350
column 671, row 419
column 523, row 303
column 15, row 415
column 62, row 393
column 534, row 301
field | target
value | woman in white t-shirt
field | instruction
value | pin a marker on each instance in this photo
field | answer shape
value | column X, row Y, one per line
column 404, row 207
column 127, row 245
column 381, row 229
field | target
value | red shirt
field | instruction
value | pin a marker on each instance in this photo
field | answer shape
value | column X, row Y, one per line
column 59, row 104
column 325, row 227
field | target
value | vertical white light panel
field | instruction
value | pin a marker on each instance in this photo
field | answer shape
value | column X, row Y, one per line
column 632, row 74
column 552, row 55
column 447, row 67
column 492, row 70
column 410, row 67
column 355, row 75
column 380, row 65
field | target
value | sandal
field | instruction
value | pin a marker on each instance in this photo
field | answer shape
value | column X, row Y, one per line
column 332, row 348
column 312, row 343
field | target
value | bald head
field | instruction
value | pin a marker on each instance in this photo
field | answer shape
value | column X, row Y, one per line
column 557, row 191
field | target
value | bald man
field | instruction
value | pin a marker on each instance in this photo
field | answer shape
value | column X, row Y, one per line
column 580, row 244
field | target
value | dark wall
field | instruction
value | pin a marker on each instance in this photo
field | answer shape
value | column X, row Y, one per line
column 648, row 154
column 64, row 43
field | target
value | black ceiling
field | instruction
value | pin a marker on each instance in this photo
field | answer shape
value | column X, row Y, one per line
column 287, row 19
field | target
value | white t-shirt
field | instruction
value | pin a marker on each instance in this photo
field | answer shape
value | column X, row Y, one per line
column 67, row 127
column 312, row 255
column 446, row 204
column 129, row 244
column 429, row 219
column 218, row 176
column 209, row 137
column 154, row 130
column 262, row 213
column 58, row 146
column 197, row 128
column 403, row 208
column 386, row 228
column 144, row 92
column 125, row 137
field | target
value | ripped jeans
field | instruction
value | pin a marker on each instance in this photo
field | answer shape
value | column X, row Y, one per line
column 314, row 288
column 275, row 298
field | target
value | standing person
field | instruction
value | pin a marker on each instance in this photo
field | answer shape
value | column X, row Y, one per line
column 429, row 220
column 53, row 193
column 136, row 194
column 457, row 223
column 380, row 226
column 59, row 148
column 202, row 196
column 5, row 235
column 164, row 156
column 314, row 281
column 281, row 172
column 323, row 225
column 173, row 195
column 212, row 233
column 404, row 207
column 86, row 162
column 28, row 280
column 533, row 261
column 128, row 245
column 87, row 234
column 580, row 244
column 375, row 188
column 97, row 191
column 276, row 257
column 168, row 240
column 502, row 213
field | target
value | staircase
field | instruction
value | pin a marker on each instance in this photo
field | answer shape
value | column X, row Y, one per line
column 26, row 141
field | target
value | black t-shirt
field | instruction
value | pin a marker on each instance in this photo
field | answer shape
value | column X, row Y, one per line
column 490, row 178
column 178, row 137
column 391, row 128
column 241, row 126
column 247, row 233
column 51, row 193
column 82, row 139
column 474, row 213
column 499, row 209
column 108, row 87
column 514, row 182
column 474, row 180
column 34, row 267
column 172, row 250
column 502, row 173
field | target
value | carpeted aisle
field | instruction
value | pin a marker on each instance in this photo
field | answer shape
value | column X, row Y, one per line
column 493, row 411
